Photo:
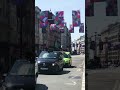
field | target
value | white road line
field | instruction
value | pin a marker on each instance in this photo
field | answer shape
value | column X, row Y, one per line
column 73, row 83
column 79, row 70
column 83, row 78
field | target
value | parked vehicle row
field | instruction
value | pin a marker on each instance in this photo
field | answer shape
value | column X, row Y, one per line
column 23, row 75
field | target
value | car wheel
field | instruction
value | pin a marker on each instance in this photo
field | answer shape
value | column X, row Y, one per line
column 33, row 88
column 69, row 64
column 61, row 69
column 57, row 69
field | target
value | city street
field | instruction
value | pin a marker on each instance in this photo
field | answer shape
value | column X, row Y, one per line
column 69, row 79
column 104, row 79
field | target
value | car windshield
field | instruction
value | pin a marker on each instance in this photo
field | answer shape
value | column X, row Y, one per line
column 23, row 68
column 66, row 55
column 46, row 55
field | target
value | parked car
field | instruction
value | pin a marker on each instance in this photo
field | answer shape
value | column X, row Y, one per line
column 67, row 59
column 50, row 61
column 22, row 76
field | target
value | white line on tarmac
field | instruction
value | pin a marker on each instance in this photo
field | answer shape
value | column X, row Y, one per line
column 73, row 83
column 78, row 69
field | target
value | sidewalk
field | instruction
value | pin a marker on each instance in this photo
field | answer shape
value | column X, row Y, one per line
column 106, row 70
column 104, row 79
column 83, row 78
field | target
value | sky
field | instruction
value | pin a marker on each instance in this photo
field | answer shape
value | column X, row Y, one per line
column 67, row 6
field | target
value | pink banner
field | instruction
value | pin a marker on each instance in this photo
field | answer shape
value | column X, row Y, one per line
column 71, row 30
column 76, row 18
column 44, row 19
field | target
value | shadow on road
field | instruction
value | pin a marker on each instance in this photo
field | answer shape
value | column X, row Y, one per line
column 75, row 55
column 41, row 87
column 63, row 72
column 58, row 73
column 70, row 67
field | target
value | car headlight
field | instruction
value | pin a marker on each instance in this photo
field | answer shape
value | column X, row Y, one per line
column 38, row 61
column 53, row 64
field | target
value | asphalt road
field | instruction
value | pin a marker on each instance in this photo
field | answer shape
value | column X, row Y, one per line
column 104, row 79
column 69, row 79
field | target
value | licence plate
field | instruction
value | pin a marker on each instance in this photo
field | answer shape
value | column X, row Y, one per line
column 44, row 68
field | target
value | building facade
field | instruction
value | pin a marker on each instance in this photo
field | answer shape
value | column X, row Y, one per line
column 11, row 26
column 111, row 39
column 38, row 32
column 54, row 39
column 66, row 39
column 8, row 28
column 80, row 44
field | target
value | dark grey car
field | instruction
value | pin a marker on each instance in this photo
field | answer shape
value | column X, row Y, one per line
column 21, row 77
column 50, row 61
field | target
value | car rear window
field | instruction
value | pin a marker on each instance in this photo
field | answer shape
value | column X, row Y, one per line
column 23, row 68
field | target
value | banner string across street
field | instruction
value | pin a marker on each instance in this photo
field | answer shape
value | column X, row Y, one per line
column 57, row 22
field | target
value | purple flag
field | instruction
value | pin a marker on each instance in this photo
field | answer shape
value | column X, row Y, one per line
column 76, row 18
column 53, row 27
column 71, row 30
column 44, row 19
column 81, row 29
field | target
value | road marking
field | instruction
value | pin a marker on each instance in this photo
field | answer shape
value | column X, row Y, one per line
column 78, row 69
column 73, row 83
column 82, row 64
column 83, row 78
